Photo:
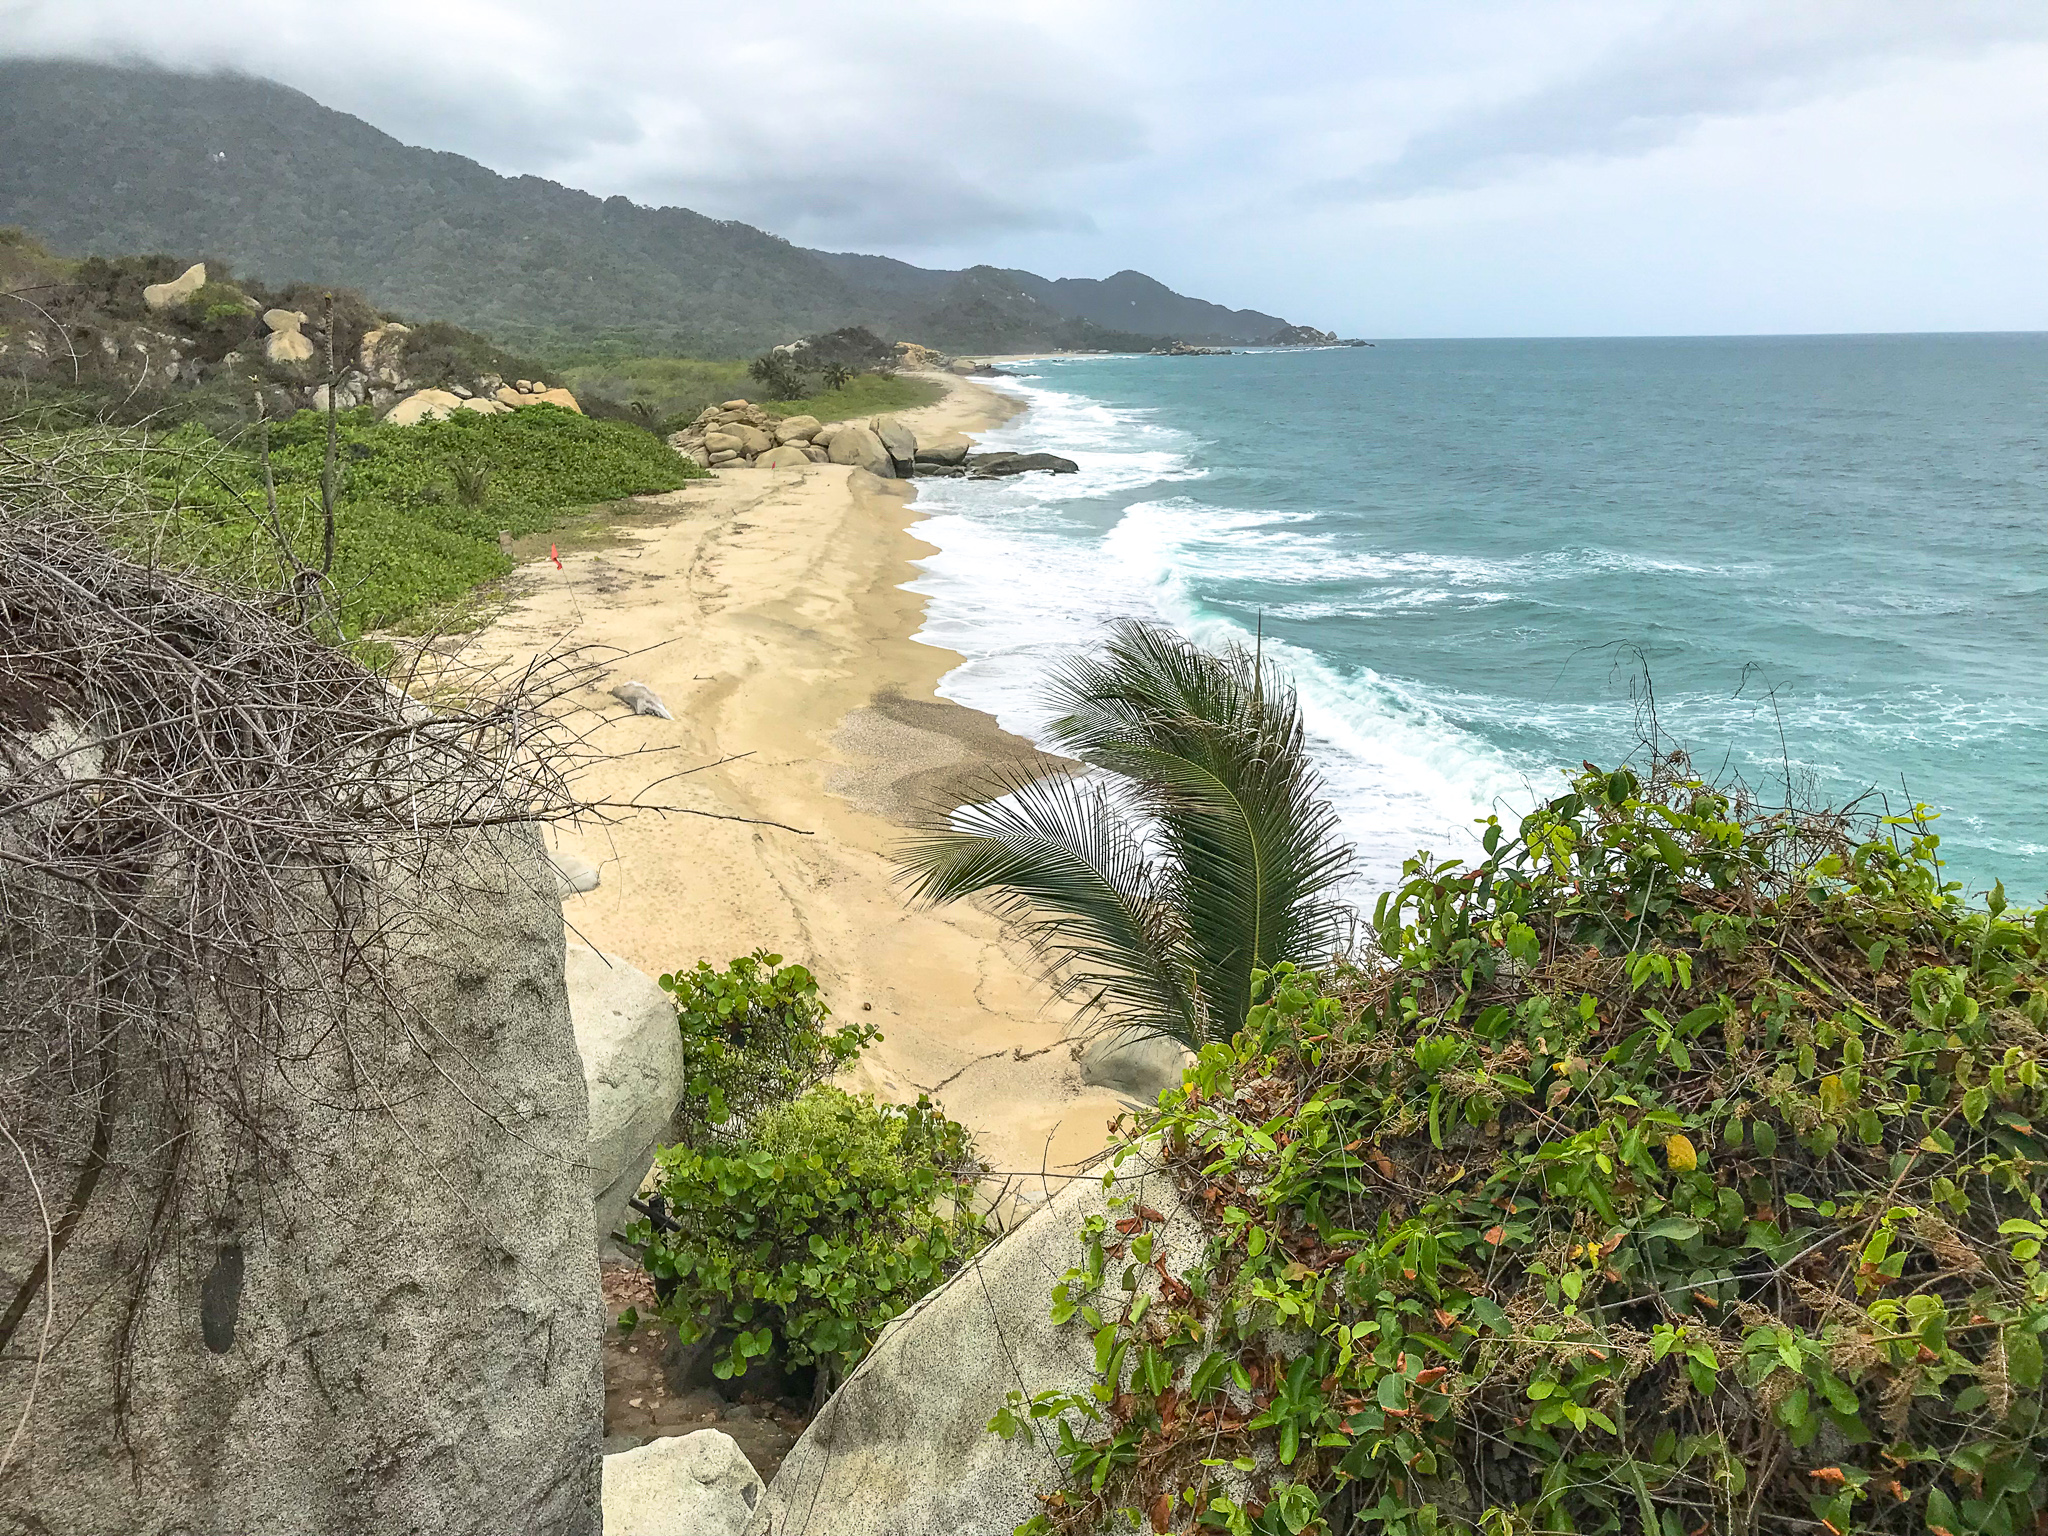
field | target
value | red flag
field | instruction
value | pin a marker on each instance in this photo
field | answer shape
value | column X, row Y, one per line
column 554, row 557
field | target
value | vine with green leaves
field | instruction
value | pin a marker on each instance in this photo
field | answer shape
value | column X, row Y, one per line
column 1675, row 1170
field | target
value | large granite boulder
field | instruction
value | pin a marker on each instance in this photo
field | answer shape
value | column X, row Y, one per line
column 1138, row 1063
column 999, row 466
column 288, row 349
column 788, row 456
column 903, row 1448
column 947, row 450
column 632, row 1071
column 796, row 429
column 387, row 1320
column 899, row 441
column 162, row 296
column 425, row 405
column 752, row 439
column 680, row 1485
column 860, row 447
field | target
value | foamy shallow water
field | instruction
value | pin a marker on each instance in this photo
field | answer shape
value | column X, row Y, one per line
column 1463, row 556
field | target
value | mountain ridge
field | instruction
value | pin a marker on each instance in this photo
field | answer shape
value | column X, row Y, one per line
column 242, row 168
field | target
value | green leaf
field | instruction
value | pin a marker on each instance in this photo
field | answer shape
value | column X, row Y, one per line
column 1975, row 1102
column 1677, row 1228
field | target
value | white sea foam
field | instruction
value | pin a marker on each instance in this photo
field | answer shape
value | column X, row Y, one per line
column 1029, row 569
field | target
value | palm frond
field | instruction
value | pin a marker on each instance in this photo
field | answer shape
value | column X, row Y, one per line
column 1069, row 873
column 1218, row 757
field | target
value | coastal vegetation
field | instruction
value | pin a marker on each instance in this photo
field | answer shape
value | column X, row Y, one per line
column 1678, row 1167
column 793, row 1219
column 418, row 509
column 675, row 389
column 793, row 1245
column 1203, row 855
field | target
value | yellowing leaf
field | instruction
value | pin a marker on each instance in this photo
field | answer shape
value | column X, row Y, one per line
column 1680, row 1156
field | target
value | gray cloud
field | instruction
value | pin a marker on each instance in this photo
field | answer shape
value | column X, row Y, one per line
column 1681, row 69
column 924, row 125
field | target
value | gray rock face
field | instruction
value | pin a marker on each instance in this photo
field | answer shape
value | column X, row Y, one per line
column 1134, row 1062
column 680, row 1485
column 903, row 1449
column 632, row 1071
column 860, row 447
column 399, row 1336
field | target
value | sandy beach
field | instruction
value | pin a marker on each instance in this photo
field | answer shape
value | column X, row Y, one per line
column 768, row 610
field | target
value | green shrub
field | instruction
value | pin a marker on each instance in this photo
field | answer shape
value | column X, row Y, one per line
column 1677, row 1168
column 754, row 1036
column 800, row 1242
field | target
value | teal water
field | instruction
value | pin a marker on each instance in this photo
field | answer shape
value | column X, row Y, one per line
column 1826, row 557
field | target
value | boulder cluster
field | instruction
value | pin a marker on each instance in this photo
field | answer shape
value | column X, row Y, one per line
column 740, row 435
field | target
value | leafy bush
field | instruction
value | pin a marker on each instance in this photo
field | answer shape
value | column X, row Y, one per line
column 800, row 1242
column 1678, row 1168
column 754, row 1036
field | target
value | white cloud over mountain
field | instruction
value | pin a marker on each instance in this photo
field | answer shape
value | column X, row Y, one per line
column 1461, row 167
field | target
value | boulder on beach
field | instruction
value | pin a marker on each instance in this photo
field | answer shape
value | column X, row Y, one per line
column 574, row 874
column 161, row 296
column 898, row 439
column 788, row 456
column 633, row 1071
column 950, row 449
column 681, row 1485
column 752, row 439
column 860, row 447
column 723, row 442
column 797, row 429
column 993, row 466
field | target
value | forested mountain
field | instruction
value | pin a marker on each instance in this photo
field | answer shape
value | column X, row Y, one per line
column 101, row 159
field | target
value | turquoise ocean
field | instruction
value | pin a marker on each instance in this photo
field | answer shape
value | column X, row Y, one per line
column 1826, row 557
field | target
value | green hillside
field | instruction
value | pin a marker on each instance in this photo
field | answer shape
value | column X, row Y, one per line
column 105, row 160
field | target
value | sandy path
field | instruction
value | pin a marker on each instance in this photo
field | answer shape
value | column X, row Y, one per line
column 774, row 601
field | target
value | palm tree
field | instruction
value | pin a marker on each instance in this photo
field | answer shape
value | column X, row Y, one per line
column 1154, row 894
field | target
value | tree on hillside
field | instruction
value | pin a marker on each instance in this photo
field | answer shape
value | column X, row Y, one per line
column 1206, row 851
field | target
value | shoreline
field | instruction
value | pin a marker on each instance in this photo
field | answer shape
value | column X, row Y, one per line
column 767, row 609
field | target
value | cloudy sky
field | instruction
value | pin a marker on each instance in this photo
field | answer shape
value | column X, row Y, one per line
column 1382, row 167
